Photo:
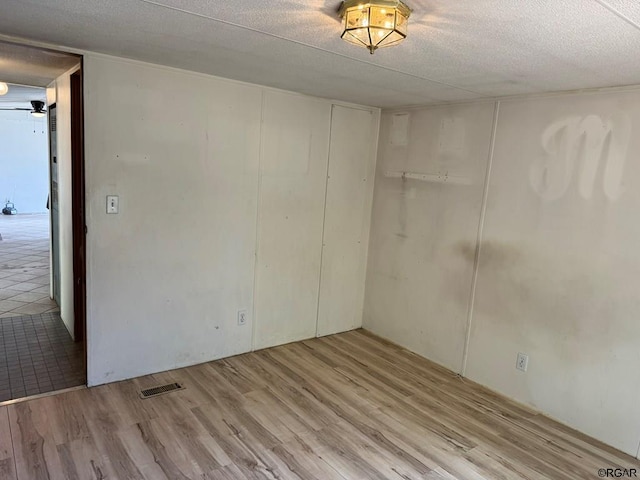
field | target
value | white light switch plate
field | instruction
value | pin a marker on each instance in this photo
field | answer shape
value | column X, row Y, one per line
column 113, row 204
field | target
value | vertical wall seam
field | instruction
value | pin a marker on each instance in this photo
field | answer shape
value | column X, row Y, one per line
column 324, row 219
column 367, row 232
column 255, row 251
column 476, row 261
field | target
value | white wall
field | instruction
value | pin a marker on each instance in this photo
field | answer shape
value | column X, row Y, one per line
column 316, row 185
column 207, row 171
column 424, row 229
column 24, row 161
column 62, row 87
column 558, row 264
column 349, row 192
column 295, row 149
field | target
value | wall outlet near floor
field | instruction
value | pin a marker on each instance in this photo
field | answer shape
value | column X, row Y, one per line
column 522, row 362
column 242, row 317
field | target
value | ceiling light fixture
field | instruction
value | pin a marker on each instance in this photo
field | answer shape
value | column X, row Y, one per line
column 4, row 88
column 38, row 108
column 374, row 24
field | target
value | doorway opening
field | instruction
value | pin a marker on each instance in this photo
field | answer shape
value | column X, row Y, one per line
column 42, row 313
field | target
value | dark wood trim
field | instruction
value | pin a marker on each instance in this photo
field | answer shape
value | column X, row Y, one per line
column 78, row 207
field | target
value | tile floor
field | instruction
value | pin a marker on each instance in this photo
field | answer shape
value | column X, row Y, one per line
column 37, row 354
column 24, row 265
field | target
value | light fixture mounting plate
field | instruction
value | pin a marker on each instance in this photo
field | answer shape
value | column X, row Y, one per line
column 400, row 6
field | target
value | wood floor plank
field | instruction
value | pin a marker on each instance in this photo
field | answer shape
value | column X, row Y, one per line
column 69, row 467
column 154, row 455
column 6, row 449
column 184, row 430
column 345, row 462
column 341, row 402
column 35, row 450
column 104, row 424
column 587, row 447
column 381, row 453
column 325, row 378
column 524, row 446
column 69, row 423
column 241, row 382
column 437, row 399
column 324, row 394
column 411, row 366
column 275, row 416
column 303, row 462
column 237, row 417
column 347, row 406
column 424, row 443
column 124, row 397
column 7, row 462
column 251, row 466
column 293, row 391
column 7, row 469
column 83, row 459
column 229, row 472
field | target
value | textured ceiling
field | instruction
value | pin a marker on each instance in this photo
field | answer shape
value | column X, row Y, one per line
column 24, row 65
column 456, row 50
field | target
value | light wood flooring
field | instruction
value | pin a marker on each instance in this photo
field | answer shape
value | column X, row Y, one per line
column 349, row 406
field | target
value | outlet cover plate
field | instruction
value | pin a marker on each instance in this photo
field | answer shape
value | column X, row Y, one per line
column 522, row 362
column 242, row 317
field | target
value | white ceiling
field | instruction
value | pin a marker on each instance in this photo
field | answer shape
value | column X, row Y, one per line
column 456, row 50
column 23, row 65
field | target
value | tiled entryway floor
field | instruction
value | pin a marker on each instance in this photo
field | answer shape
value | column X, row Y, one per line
column 37, row 356
column 24, row 265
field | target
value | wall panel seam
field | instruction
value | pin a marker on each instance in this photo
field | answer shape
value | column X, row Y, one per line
column 368, row 220
column 324, row 219
column 476, row 262
column 255, row 246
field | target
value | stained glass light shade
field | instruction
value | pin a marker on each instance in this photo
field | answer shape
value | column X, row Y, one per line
column 376, row 24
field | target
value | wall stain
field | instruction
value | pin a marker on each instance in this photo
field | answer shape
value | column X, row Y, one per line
column 402, row 213
column 555, row 299
column 493, row 252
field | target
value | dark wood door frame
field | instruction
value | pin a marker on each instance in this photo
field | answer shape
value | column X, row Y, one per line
column 78, row 208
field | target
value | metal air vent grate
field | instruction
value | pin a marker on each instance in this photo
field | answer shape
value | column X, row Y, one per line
column 161, row 390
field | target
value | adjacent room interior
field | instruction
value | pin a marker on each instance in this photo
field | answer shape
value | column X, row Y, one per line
column 286, row 255
column 38, row 353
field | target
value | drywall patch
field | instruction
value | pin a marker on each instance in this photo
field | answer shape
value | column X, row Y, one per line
column 453, row 138
column 133, row 158
column 399, row 132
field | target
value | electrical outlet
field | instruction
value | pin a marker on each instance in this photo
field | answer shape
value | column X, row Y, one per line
column 522, row 362
column 242, row 317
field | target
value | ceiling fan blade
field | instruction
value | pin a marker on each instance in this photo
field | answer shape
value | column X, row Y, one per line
column 16, row 108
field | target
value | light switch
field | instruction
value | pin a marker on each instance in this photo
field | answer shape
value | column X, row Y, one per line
column 112, row 204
